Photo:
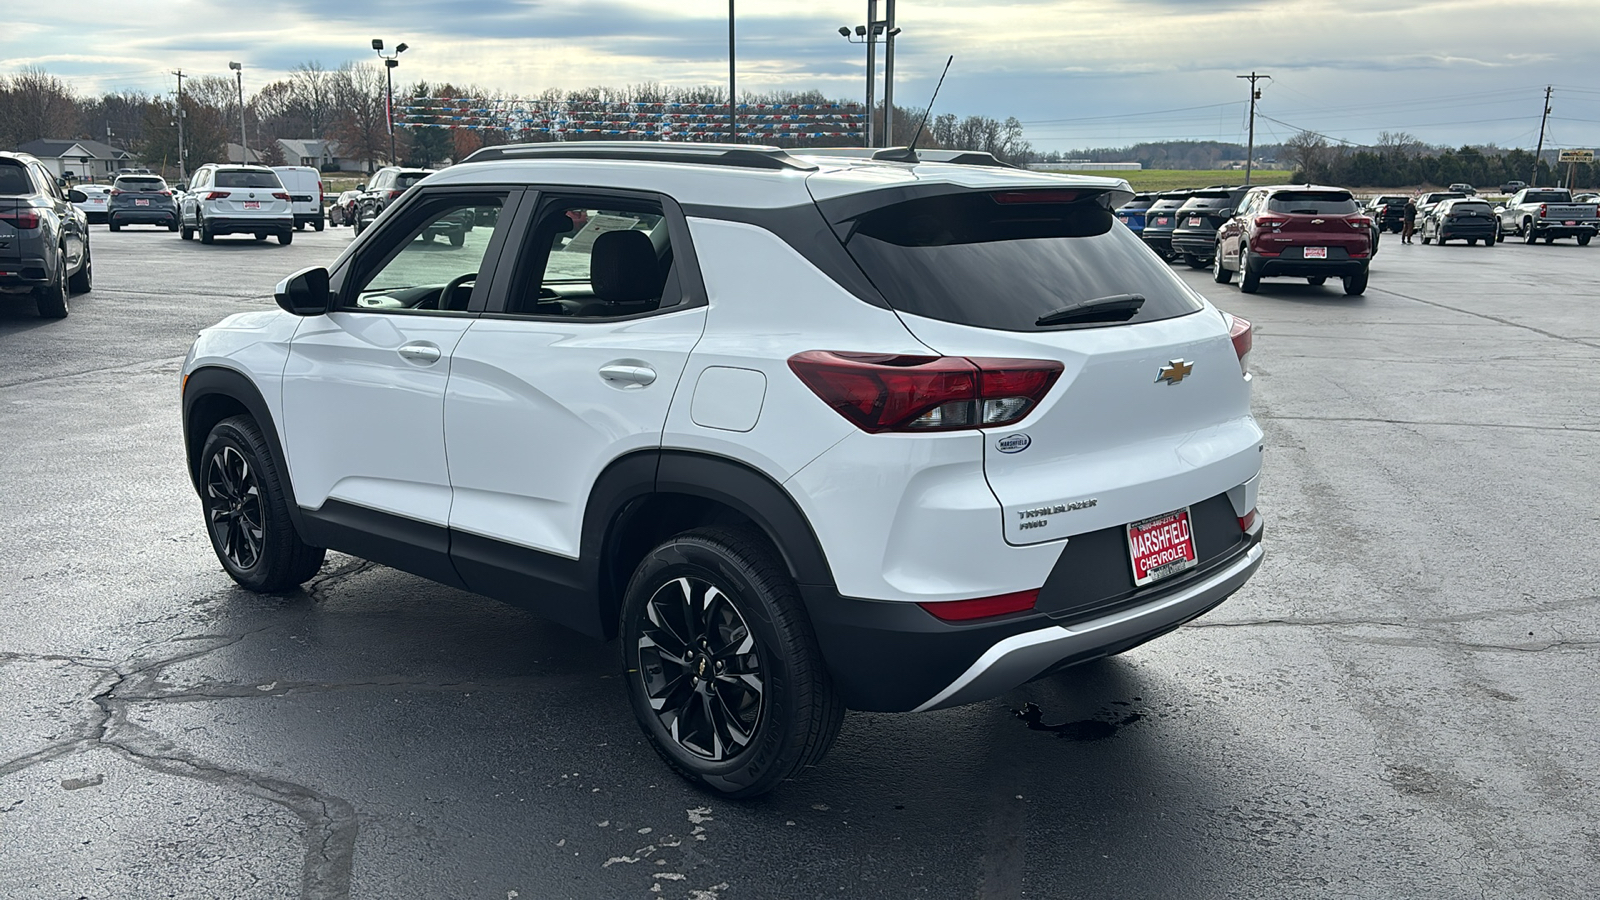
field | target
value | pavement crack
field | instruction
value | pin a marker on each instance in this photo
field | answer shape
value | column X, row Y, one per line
column 1378, row 420
column 1498, row 319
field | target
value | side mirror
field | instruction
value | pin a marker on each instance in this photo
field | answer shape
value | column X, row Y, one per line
column 305, row 293
column 77, row 196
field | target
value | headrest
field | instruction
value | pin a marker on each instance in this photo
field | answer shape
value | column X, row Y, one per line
column 623, row 267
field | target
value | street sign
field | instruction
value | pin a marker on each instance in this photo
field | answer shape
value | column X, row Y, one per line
column 1577, row 156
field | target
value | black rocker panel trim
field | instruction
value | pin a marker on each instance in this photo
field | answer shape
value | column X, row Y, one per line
column 394, row 541
column 549, row 586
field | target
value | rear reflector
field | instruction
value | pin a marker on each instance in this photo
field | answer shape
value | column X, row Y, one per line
column 1243, row 335
column 1247, row 521
column 982, row 607
column 885, row 392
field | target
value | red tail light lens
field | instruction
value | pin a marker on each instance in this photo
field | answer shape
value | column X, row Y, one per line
column 22, row 219
column 1243, row 335
column 1247, row 521
column 166, row 193
column 279, row 195
column 395, row 195
column 1359, row 222
column 1271, row 221
column 218, row 195
column 1543, row 208
column 882, row 392
column 982, row 607
column 116, row 193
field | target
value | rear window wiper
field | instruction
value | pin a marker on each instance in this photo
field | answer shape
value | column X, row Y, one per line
column 1115, row 308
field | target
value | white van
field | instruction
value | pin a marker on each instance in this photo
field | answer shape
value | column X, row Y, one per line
column 305, row 194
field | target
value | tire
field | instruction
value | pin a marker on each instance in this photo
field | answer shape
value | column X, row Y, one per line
column 1428, row 240
column 1488, row 241
column 1249, row 282
column 1472, row 242
column 1549, row 239
column 1220, row 273
column 427, row 237
column 1194, row 262
column 458, row 239
column 299, row 226
column 112, row 226
column 185, row 233
column 318, row 225
column 172, row 226
column 1317, row 280
column 1583, row 239
column 260, row 237
column 82, row 281
column 247, row 511
column 1355, row 285
column 358, row 226
column 787, row 716
column 1528, row 237
column 52, row 299
column 206, row 236
column 285, row 238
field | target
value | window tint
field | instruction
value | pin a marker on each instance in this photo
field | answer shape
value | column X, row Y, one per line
column 14, row 180
column 126, row 183
column 1167, row 204
column 1472, row 207
column 971, row 259
column 1319, row 203
column 407, row 179
column 1209, row 201
column 437, row 246
column 1136, row 205
column 237, row 179
column 597, row 259
column 1546, row 197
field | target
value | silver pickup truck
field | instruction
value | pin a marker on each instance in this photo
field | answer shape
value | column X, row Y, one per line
column 1548, row 213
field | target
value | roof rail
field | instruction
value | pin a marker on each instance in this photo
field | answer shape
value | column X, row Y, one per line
column 908, row 155
column 738, row 155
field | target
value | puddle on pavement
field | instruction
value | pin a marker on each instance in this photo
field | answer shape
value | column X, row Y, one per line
column 1101, row 726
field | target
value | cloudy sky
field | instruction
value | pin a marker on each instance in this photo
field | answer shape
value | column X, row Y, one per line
column 1077, row 72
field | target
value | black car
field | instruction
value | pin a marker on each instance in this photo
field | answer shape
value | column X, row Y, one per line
column 1468, row 219
column 44, row 238
column 1388, row 212
column 388, row 184
column 1159, row 220
column 1194, row 235
column 141, row 200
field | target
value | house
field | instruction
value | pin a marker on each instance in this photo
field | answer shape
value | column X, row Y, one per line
column 236, row 154
column 84, row 160
column 318, row 154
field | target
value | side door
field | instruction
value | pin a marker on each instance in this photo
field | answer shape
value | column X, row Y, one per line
column 573, row 366
column 69, row 220
column 364, row 385
column 191, row 197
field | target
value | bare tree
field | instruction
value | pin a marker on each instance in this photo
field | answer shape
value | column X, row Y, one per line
column 358, row 90
column 1308, row 152
column 35, row 104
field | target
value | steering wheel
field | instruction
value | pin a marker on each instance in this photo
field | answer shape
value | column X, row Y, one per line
column 446, row 296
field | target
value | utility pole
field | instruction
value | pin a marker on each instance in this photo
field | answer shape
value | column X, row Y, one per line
column 872, row 72
column 183, row 172
column 1533, row 179
column 733, row 86
column 888, row 72
column 1250, row 149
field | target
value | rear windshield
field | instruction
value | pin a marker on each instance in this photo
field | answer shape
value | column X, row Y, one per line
column 14, row 180
column 1318, row 203
column 1167, row 203
column 1439, row 198
column 1476, row 206
column 1390, row 201
column 971, row 259
column 1546, row 197
column 407, row 179
column 226, row 179
column 1136, row 204
column 1209, row 201
column 140, row 184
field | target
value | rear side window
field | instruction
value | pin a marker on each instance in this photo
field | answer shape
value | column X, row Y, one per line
column 226, row 179
column 14, row 180
column 1315, row 203
column 973, row 259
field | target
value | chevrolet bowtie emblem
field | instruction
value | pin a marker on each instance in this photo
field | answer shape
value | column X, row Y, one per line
column 1317, row 221
column 1174, row 371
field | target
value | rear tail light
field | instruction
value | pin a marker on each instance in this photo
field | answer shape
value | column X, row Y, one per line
column 218, row 195
column 22, row 219
column 1247, row 521
column 395, row 195
column 166, row 193
column 116, row 193
column 982, row 607
column 1243, row 335
column 1359, row 222
column 883, row 392
column 1543, row 208
column 279, row 195
column 1271, row 221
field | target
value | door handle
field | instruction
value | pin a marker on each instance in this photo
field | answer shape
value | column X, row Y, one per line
column 626, row 375
column 421, row 352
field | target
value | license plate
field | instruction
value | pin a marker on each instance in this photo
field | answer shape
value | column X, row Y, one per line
column 1569, row 223
column 252, row 204
column 1316, row 253
column 1194, row 222
column 1161, row 546
column 141, row 203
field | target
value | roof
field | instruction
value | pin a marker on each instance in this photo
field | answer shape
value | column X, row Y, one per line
column 317, row 147
column 741, row 175
column 53, row 148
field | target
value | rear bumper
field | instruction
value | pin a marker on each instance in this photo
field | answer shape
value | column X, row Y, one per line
column 1554, row 230
column 1159, row 241
column 28, row 271
column 1268, row 266
column 250, row 226
column 1201, row 245
column 142, row 214
column 1459, row 232
column 896, row 657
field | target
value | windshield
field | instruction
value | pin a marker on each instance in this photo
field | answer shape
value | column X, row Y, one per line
column 242, row 179
column 1316, row 203
column 985, row 260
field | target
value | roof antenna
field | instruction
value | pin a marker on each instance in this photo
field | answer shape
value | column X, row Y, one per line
column 910, row 150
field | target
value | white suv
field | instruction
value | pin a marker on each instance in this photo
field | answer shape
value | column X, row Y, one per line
column 805, row 432
column 225, row 199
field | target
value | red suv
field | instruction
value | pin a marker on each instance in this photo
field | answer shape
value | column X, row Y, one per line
column 1301, row 230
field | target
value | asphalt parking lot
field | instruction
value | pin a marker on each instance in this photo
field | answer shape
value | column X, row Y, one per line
column 1400, row 705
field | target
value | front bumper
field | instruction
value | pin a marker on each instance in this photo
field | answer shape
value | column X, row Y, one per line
column 894, row 656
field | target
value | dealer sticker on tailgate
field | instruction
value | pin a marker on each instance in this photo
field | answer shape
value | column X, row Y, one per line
column 1161, row 546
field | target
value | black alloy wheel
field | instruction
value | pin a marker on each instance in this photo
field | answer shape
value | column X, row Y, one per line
column 233, row 508
column 701, row 667
column 722, row 667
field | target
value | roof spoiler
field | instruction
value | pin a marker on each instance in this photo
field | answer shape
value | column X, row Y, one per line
column 737, row 155
column 908, row 155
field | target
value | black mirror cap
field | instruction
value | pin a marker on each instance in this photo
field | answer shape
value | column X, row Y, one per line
column 77, row 196
column 305, row 293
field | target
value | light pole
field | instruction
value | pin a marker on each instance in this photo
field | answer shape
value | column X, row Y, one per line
column 389, row 64
column 868, row 34
column 244, row 144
